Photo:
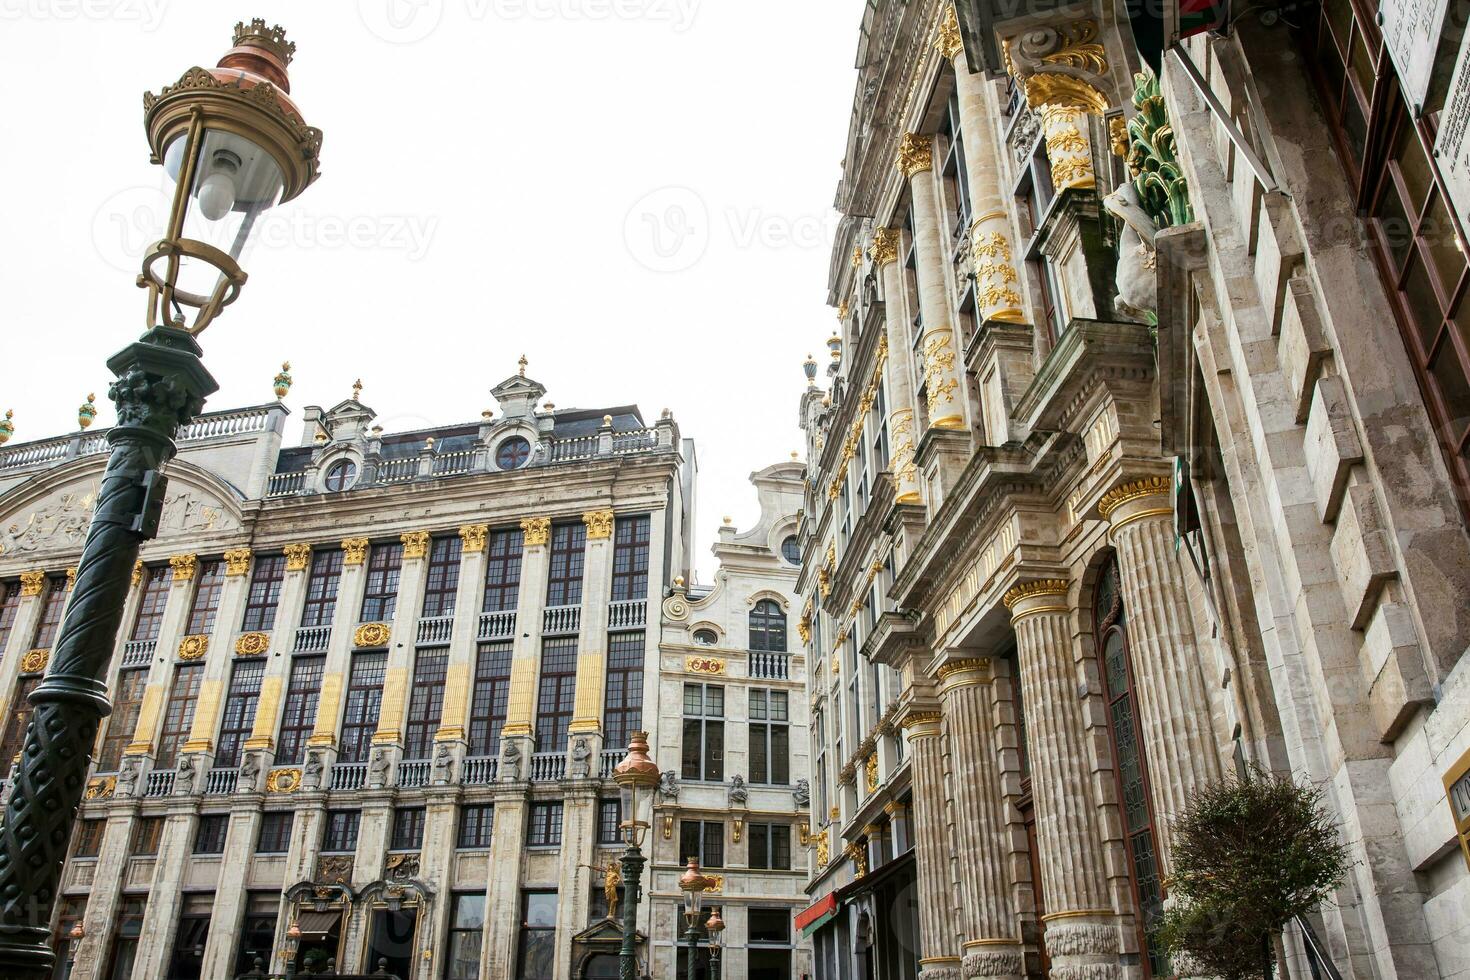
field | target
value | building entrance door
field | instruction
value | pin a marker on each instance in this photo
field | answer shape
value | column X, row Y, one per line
column 391, row 939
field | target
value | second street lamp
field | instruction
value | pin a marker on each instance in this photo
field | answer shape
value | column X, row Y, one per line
column 636, row 775
column 234, row 144
column 713, row 927
column 693, row 885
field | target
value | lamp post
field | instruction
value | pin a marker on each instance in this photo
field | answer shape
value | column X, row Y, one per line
column 74, row 939
column 693, row 884
column 234, row 144
column 636, row 775
column 293, row 943
column 714, row 926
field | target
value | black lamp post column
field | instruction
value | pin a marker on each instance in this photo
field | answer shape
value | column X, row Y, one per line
column 693, row 936
column 633, row 862
column 161, row 384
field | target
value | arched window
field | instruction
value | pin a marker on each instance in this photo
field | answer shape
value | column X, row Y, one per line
column 1131, row 766
column 768, row 627
column 340, row 475
column 791, row 550
column 512, row 453
column 705, row 638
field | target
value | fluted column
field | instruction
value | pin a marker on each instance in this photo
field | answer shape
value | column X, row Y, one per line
column 988, row 926
column 1174, row 707
column 526, row 653
column 592, row 644
column 942, row 385
column 938, row 919
column 997, row 292
column 898, row 370
column 1081, row 928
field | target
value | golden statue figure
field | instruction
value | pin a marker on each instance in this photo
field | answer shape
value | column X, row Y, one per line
column 611, row 879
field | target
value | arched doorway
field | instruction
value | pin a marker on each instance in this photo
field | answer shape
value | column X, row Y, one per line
column 600, row 966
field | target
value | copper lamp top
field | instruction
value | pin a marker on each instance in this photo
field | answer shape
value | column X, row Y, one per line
column 637, row 768
column 692, row 880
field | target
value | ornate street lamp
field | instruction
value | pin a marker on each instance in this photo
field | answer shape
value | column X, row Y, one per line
column 234, row 144
column 74, row 939
column 293, row 943
column 714, row 926
column 693, row 884
column 636, row 776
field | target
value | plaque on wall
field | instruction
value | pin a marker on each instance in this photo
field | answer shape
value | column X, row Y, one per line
column 1452, row 141
column 1411, row 30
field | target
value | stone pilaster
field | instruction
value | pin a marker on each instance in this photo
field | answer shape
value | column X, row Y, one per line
column 436, row 866
column 218, row 658
column 503, row 893
column 459, row 679
column 161, row 918
column 22, row 632
column 988, row 924
column 535, row 565
column 938, row 916
column 230, row 896
column 1173, row 704
column 165, row 655
column 1081, row 929
column 939, row 346
column 402, row 644
column 898, row 370
column 592, row 644
column 578, row 849
column 277, row 668
column 350, row 590
column 100, row 919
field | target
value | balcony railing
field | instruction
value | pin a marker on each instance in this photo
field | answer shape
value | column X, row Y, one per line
column 630, row 614
column 77, row 444
column 498, row 625
column 221, row 782
column 610, row 760
column 349, row 775
column 284, row 484
column 413, row 773
column 578, row 447
column 435, row 629
column 398, row 470
column 480, row 770
column 770, row 666
column 313, row 639
column 447, row 464
column 634, row 441
column 548, row 767
column 561, row 619
column 159, row 782
column 138, row 653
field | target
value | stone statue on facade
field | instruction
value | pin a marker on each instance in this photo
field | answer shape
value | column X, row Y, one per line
column 249, row 771
column 378, row 769
column 1137, row 275
column 510, row 761
column 311, row 773
column 738, row 793
column 127, row 778
column 581, row 756
column 668, row 784
column 803, row 792
column 443, row 766
column 184, row 781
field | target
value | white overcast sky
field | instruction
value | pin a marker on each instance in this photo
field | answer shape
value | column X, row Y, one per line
column 634, row 193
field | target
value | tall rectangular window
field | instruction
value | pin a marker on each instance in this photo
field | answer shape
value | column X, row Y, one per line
column 209, row 838
column 258, row 935
column 321, row 588
column 380, row 593
column 340, row 836
column 408, row 829
column 609, row 821
column 503, row 570
column 264, row 594
column 558, row 694
column 239, row 715
column 441, row 585
column 9, row 605
column 492, row 692
column 151, row 603
column 187, row 957
column 425, row 704
column 545, row 828
column 630, row 558
column 623, row 711
column 211, row 582
column 364, row 702
column 178, row 717
column 770, row 846
column 702, row 839
column 568, row 553
column 89, row 838
column 131, row 910
column 476, row 825
column 298, row 718
column 127, row 702
column 52, row 605
column 770, row 737
column 147, row 833
column 275, row 834
column 704, row 732
column 536, row 957
column 466, row 934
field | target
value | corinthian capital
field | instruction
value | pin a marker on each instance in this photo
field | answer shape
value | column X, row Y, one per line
column 915, row 154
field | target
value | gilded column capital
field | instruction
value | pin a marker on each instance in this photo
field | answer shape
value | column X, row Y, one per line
column 915, row 154
column 32, row 583
column 948, row 38
column 237, row 562
column 885, row 247
column 967, row 672
column 537, row 530
column 921, row 724
column 297, row 557
column 138, row 573
column 1028, row 590
column 415, row 544
column 599, row 524
column 354, row 551
column 1149, row 486
column 184, row 567
column 473, row 536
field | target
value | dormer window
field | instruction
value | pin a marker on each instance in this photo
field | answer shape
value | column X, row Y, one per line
column 341, row 475
column 705, row 638
column 791, row 550
column 512, row 453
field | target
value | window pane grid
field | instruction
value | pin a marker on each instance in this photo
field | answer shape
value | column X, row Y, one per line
column 52, row 606
column 568, row 552
column 556, row 698
column 380, row 595
column 364, row 702
column 321, row 588
column 150, row 605
column 442, row 582
column 502, row 571
column 264, row 594
column 624, row 692
column 206, row 597
column 630, row 558
column 299, row 716
column 179, row 716
column 425, row 704
column 127, row 702
column 239, row 713
column 491, row 694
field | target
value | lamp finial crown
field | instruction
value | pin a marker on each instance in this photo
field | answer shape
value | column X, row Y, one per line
column 271, row 38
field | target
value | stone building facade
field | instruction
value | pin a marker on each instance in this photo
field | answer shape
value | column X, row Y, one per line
column 375, row 684
column 1139, row 462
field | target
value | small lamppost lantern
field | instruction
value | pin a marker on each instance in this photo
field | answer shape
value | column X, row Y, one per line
column 7, row 426
column 293, row 943
column 713, row 926
column 234, row 144
column 693, row 885
column 87, row 412
column 636, row 776
column 282, row 382
column 809, row 368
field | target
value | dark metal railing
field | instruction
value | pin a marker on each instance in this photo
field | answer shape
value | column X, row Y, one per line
column 259, row 973
column 1318, row 958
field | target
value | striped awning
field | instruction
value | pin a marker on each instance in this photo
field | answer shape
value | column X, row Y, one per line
column 816, row 915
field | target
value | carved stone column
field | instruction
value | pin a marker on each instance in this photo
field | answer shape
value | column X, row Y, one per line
column 992, row 946
column 218, row 662
column 592, row 644
column 1174, row 707
column 898, row 370
column 521, row 701
column 938, row 918
column 1080, row 926
column 940, row 347
column 997, row 292
column 350, row 589
column 402, row 650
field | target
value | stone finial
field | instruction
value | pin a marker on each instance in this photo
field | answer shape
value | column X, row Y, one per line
column 607, row 421
column 87, row 412
column 357, row 390
column 809, row 368
column 7, row 426
column 522, row 364
column 282, row 382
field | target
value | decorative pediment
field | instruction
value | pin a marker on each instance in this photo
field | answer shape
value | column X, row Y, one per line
column 518, row 396
column 604, row 932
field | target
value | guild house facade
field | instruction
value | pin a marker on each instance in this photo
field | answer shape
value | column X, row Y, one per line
column 1139, row 459
column 374, row 685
